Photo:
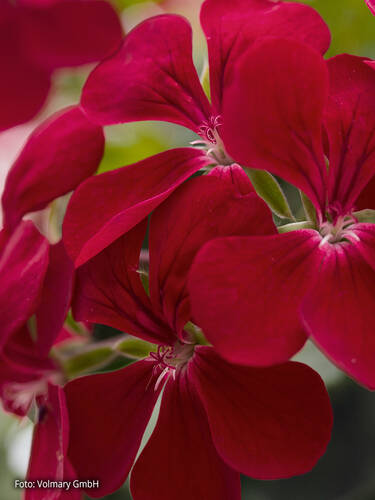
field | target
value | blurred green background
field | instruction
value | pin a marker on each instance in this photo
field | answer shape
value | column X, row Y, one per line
column 347, row 471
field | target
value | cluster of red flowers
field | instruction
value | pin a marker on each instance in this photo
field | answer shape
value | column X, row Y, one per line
column 228, row 300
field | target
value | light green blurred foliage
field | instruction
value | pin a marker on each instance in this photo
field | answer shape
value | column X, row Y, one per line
column 351, row 23
column 7, row 491
column 132, row 142
column 123, row 4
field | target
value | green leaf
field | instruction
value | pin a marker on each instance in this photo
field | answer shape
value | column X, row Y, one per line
column 270, row 191
column 135, row 348
column 366, row 215
column 87, row 361
column 309, row 208
column 294, row 226
column 205, row 80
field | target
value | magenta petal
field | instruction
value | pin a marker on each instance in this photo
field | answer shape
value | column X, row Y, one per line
column 180, row 460
column 69, row 32
column 338, row 311
column 109, row 291
column 19, row 101
column 350, row 123
column 48, row 460
column 231, row 27
column 202, row 209
column 55, row 298
column 371, row 5
column 272, row 120
column 249, row 289
column 268, row 423
column 108, row 415
column 151, row 77
column 108, row 205
column 23, row 264
column 58, row 155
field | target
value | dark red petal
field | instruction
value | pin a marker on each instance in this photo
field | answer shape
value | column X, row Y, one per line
column 180, row 460
column 19, row 101
column 350, row 123
column 69, row 32
column 108, row 415
column 367, row 197
column 22, row 370
column 48, row 460
column 22, row 354
column 108, row 205
column 23, row 264
column 109, row 291
column 245, row 294
column 273, row 110
column 338, row 312
column 200, row 210
column 268, row 423
column 59, row 155
column 55, row 298
column 231, row 27
column 152, row 77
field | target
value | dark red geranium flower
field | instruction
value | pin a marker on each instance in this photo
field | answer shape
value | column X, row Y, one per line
column 152, row 77
column 30, row 269
column 62, row 152
column 292, row 113
column 37, row 37
column 216, row 418
column 48, row 459
column 36, row 288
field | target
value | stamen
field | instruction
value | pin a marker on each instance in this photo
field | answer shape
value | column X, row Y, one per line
column 339, row 230
column 169, row 360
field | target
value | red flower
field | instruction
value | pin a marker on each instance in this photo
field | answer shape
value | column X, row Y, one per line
column 289, row 111
column 37, row 281
column 216, row 418
column 48, row 459
column 152, row 77
column 30, row 269
column 38, row 37
column 62, row 152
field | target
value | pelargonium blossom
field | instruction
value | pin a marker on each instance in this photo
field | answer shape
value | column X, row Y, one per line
column 38, row 37
column 58, row 155
column 311, row 122
column 29, row 269
column 152, row 77
column 216, row 419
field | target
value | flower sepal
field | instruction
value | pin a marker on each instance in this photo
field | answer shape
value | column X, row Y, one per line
column 270, row 191
column 366, row 216
column 135, row 348
column 294, row 226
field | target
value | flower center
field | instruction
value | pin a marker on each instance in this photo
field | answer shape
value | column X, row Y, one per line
column 170, row 359
column 211, row 141
column 340, row 230
column 22, row 394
